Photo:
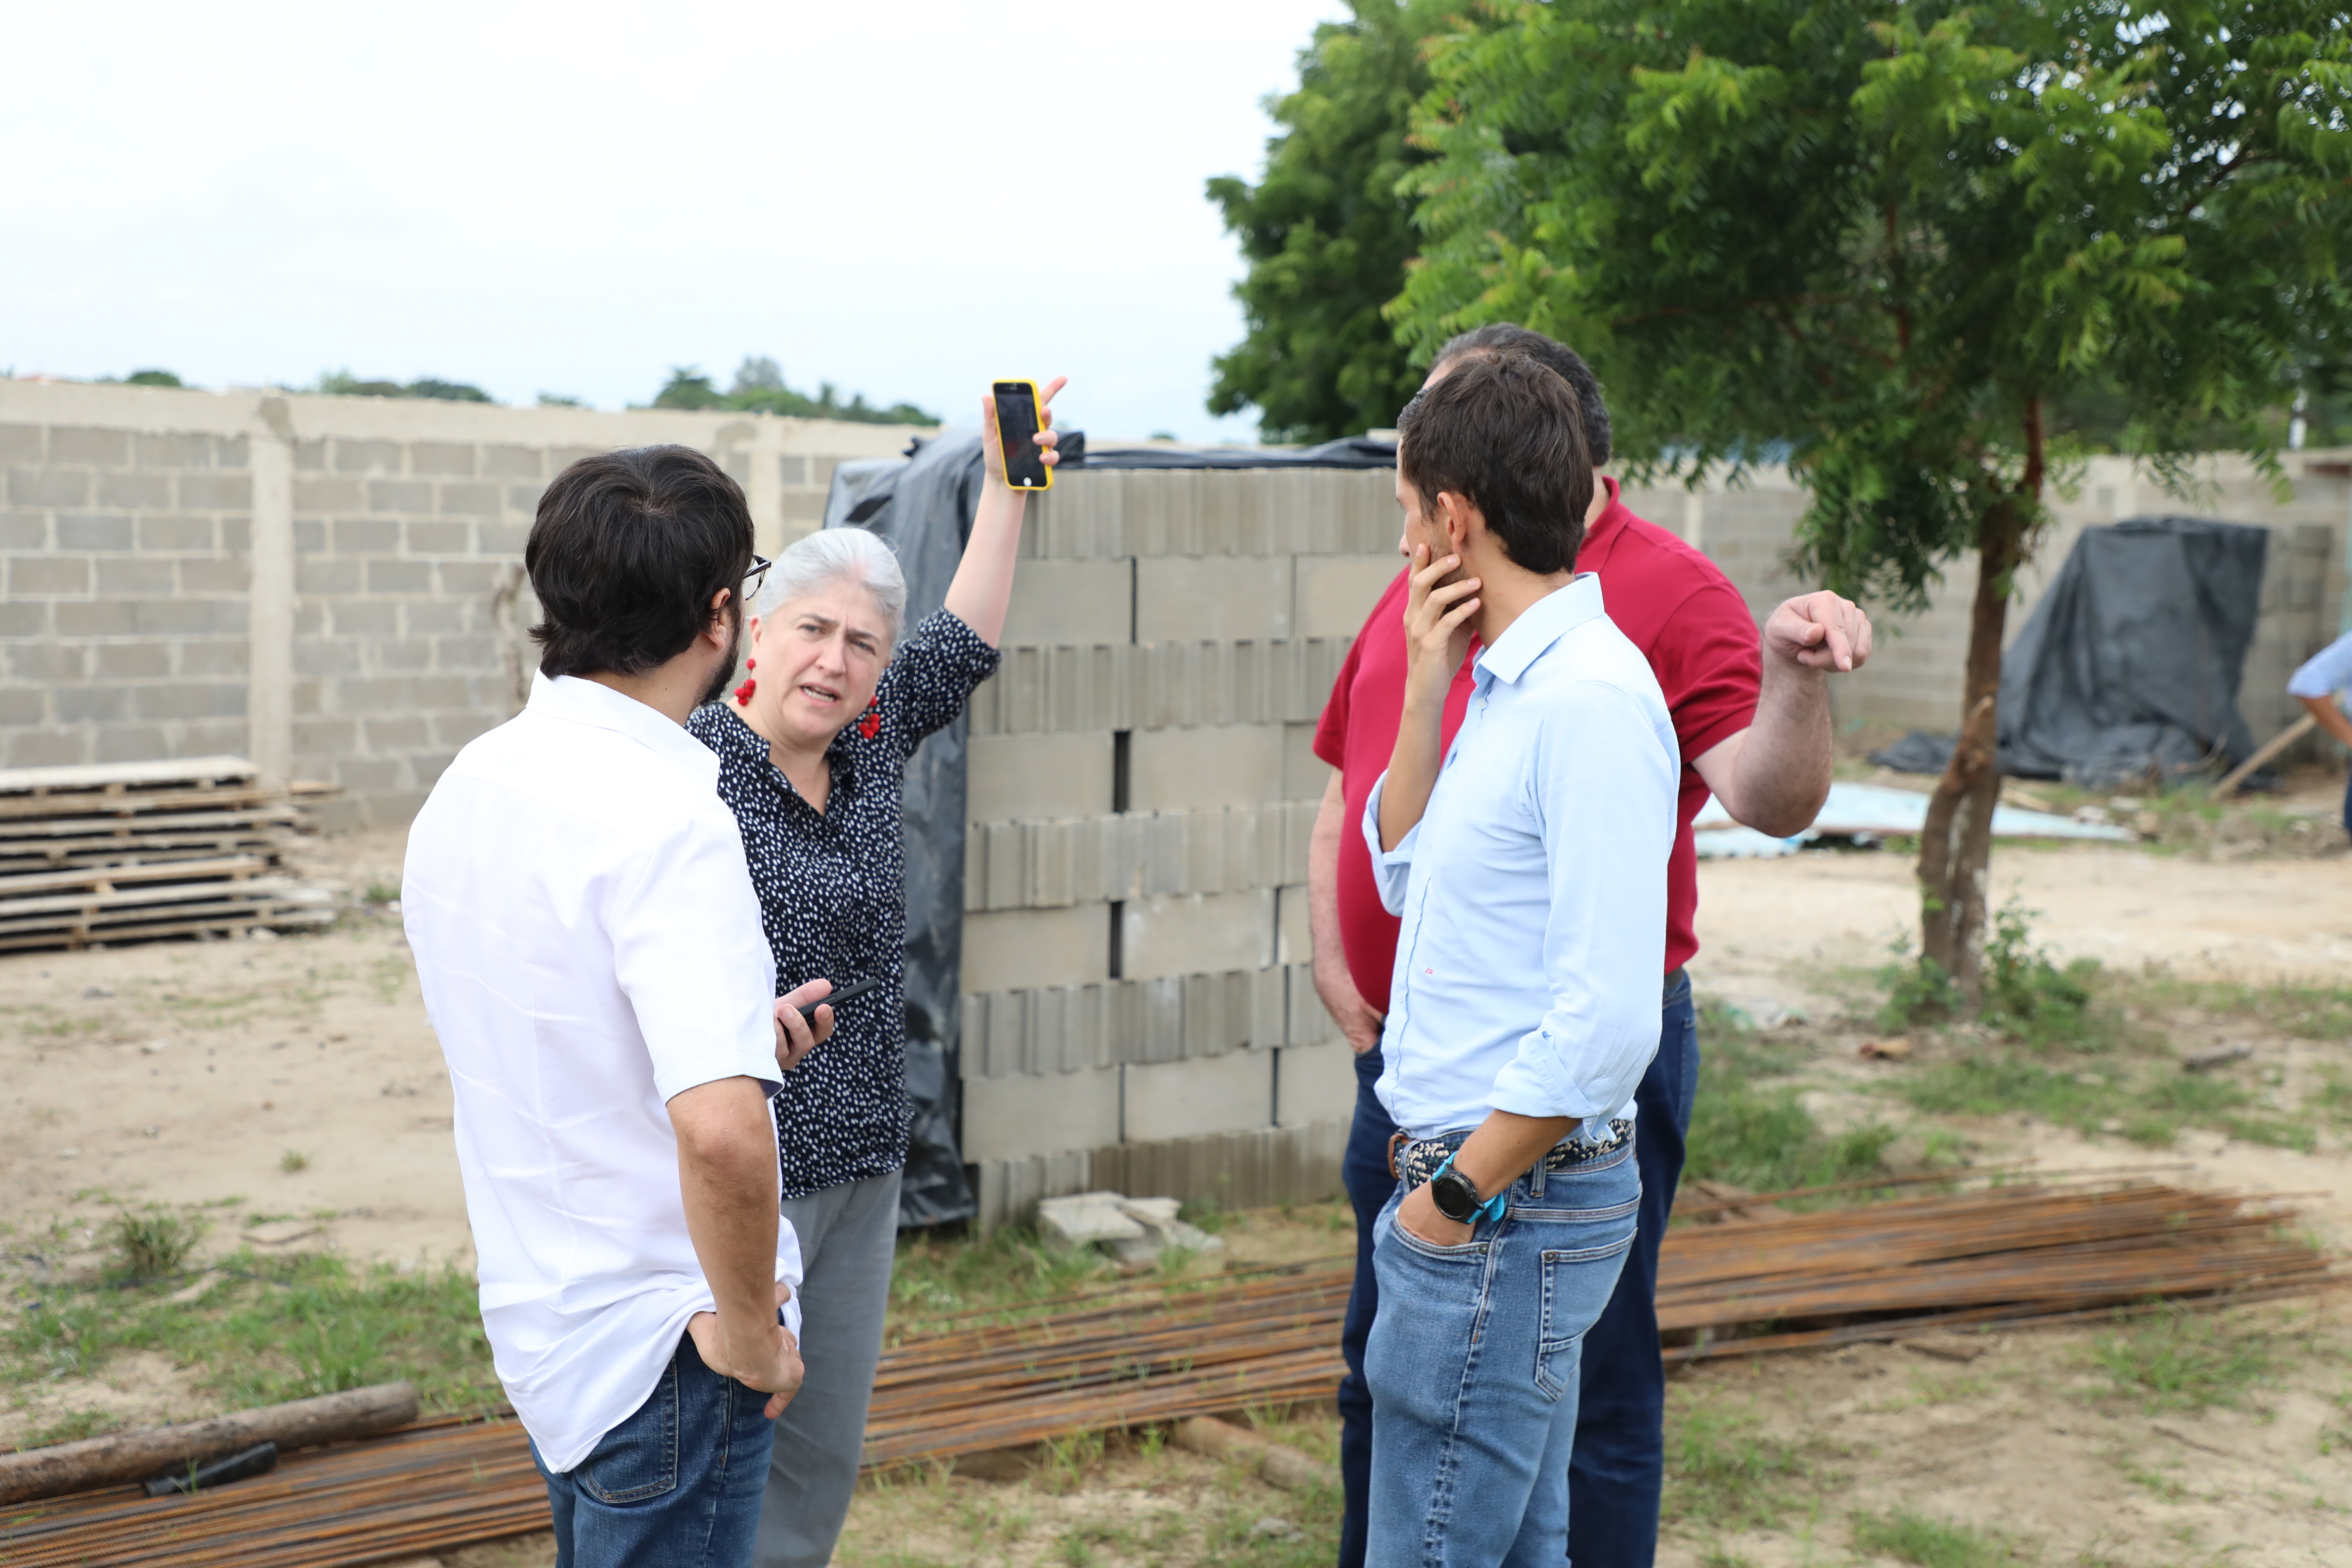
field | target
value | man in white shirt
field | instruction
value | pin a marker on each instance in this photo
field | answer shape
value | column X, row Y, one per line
column 1527, row 863
column 593, row 960
column 2318, row 684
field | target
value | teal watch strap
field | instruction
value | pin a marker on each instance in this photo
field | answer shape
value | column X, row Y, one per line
column 1492, row 1209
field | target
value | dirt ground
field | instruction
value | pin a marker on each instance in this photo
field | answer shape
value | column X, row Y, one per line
column 191, row 1072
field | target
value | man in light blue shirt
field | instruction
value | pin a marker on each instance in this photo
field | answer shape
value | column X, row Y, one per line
column 1527, row 863
column 2323, row 677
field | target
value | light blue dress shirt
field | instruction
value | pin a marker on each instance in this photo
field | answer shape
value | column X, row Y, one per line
column 1533, row 889
column 2325, row 673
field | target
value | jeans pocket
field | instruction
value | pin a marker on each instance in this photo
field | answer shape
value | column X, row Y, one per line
column 638, row 1459
column 1577, row 1283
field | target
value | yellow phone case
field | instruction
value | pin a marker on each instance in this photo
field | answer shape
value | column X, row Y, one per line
column 1036, row 398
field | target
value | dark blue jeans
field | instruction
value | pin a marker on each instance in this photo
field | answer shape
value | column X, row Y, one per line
column 1618, row 1463
column 676, row 1485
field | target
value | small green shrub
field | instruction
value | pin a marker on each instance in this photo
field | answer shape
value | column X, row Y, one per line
column 151, row 1243
column 1930, row 1542
column 293, row 1159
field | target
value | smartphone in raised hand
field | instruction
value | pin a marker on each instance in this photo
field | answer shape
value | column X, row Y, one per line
column 1017, row 425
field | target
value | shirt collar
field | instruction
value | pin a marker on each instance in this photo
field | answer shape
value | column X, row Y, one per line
column 1540, row 626
column 577, row 701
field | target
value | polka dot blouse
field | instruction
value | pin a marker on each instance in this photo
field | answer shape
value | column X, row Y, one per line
column 831, row 888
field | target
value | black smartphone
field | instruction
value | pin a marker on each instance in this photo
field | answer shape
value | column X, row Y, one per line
column 841, row 993
column 1017, row 429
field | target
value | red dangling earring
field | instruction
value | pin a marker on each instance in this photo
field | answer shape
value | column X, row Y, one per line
column 743, row 692
column 871, row 725
column 751, row 664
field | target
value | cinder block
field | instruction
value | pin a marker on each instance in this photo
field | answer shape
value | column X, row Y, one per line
column 1189, row 934
column 232, row 451
column 1248, row 1169
column 400, row 495
column 48, row 487
column 186, row 617
column 93, row 530
column 216, row 492
column 1175, row 769
column 148, row 491
column 1008, row 1118
column 138, row 743
column 471, row 579
column 222, row 574
column 316, row 576
column 48, row 574
column 451, row 732
column 177, row 533
column 469, row 500
column 512, row 462
column 792, row 470
column 91, row 704
column 1315, row 1083
column 315, row 738
column 367, row 456
column 20, row 444
column 1016, row 949
column 1185, row 1099
column 440, row 538
column 428, row 616
column 406, row 654
column 226, row 658
column 73, row 444
column 186, row 700
column 309, row 536
column 501, row 537
column 96, row 618
column 137, row 574
column 468, row 653
column 1030, row 777
column 440, row 457
column 324, row 497
column 48, row 747
column 399, row 578
column 317, row 657
column 364, row 618
column 1078, row 602
column 309, row 457
column 1211, row 599
column 407, row 734
column 1336, row 592
column 24, row 617
column 1294, row 944
column 524, row 499
column 354, row 537
column 369, row 774
column 22, row 705
column 440, row 691
column 24, row 530
column 1304, row 775
column 48, row 662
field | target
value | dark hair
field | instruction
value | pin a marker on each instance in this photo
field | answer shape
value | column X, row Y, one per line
column 1502, row 337
column 628, row 550
column 1505, row 433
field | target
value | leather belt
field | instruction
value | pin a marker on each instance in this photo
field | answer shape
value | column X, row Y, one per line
column 1413, row 1161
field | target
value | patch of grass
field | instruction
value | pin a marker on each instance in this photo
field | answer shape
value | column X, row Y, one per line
column 151, row 1243
column 1760, row 1136
column 273, row 1329
column 1006, row 1269
column 71, row 1427
column 2177, row 1359
column 293, row 1159
column 1723, row 1472
column 381, row 893
column 1910, row 1537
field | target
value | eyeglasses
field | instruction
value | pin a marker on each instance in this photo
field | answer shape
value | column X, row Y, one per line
column 752, row 579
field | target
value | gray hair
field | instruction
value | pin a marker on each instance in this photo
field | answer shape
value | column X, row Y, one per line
column 817, row 560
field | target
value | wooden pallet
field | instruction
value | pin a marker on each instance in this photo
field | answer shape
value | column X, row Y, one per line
column 140, row 850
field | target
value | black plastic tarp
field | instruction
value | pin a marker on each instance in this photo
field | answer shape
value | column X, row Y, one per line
column 2128, row 669
column 923, row 505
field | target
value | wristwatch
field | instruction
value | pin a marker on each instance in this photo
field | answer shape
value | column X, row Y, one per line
column 1456, row 1195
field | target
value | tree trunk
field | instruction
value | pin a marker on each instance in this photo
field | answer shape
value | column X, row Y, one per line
column 1956, row 845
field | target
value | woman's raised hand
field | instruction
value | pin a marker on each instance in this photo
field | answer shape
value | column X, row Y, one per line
column 1437, row 616
column 991, row 450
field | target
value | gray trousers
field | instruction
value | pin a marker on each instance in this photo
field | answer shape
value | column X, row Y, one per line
column 849, row 1235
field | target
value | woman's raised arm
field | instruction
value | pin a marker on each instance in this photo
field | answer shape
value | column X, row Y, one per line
column 983, row 580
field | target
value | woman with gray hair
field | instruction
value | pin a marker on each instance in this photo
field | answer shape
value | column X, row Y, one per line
column 812, row 751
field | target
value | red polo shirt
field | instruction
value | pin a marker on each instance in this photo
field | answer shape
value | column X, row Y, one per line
column 1678, row 608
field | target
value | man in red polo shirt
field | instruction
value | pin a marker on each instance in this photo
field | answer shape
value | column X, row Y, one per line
column 1753, row 726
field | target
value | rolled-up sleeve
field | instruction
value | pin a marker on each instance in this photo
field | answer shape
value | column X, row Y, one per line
column 1602, row 791
column 2325, row 673
column 690, row 953
column 1392, row 869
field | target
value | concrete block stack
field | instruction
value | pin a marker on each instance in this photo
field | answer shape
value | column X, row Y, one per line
column 1140, row 1012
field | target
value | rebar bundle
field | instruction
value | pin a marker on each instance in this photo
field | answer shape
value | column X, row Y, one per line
column 1139, row 1354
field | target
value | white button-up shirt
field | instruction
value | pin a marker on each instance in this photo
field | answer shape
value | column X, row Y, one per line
column 1533, row 889
column 588, row 946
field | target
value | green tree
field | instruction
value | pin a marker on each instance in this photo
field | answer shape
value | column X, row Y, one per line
column 1327, row 233
column 1886, row 239
column 759, row 387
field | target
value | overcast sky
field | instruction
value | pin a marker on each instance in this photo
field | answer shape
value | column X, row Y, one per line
column 903, row 199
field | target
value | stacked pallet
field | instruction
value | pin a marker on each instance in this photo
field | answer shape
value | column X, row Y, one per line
column 127, row 851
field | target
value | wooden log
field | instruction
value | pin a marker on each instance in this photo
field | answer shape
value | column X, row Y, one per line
column 1276, row 1463
column 127, row 1456
column 2278, row 742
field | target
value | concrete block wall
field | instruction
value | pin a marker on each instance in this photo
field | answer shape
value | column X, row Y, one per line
column 330, row 585
column 1139, row 1010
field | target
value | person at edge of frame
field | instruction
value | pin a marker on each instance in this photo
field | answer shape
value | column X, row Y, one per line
column 2318, row 683
column 813, row 752
column 589, row 948
column 1528, row 857
column 1756, row 733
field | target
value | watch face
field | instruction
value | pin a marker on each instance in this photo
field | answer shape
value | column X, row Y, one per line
column 1456, row 1197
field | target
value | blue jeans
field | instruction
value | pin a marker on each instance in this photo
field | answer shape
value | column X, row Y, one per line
column 676, row 1485
column 1474, row 1365
column 1618, row 1468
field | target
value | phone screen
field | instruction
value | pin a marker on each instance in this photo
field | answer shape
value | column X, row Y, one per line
column 1016, row 426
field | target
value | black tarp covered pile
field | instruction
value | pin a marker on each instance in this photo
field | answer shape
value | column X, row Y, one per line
column 923, row 504
column 2128, row 669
